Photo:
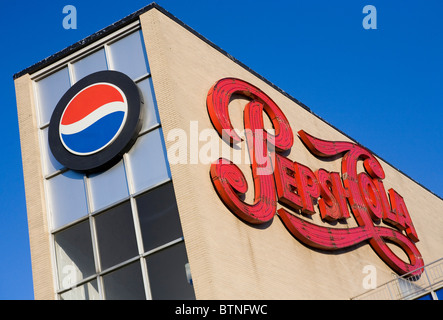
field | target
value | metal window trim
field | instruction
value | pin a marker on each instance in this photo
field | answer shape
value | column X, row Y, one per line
column 38, row 75
column 163, row 246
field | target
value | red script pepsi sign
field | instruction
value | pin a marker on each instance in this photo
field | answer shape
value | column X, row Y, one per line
column 298, row 188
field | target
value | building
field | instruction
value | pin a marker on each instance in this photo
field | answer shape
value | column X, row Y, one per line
column 147, row 208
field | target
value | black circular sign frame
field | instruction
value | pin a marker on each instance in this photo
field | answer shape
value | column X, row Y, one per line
column 112, row 154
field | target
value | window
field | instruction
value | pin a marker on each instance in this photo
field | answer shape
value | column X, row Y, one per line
column 167, row 274
column 75, row 258
column 117, row 233
column 50, row 164
column 125, row 283
column 90, row 64
column 158, row 215
column 50, row 89
column 150, row 114
column 147, row 160
column 67, row 198
column 72, row 195
column 128, row 55
column 108, row 187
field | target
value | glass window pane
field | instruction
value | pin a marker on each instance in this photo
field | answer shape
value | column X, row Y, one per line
column 116, row 235
column 147, row 160
column 167, row 274
column 88, row 291
column 90, row 64
column 108, row 187
column 125, row 283
column 49, row 92
column 67, row 198
column 128, row 55
column 150, row 115
column 158, row 216
column 75, row 259
column 50, row 164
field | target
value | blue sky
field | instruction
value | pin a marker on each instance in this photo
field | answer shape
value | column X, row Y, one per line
column 382, row 87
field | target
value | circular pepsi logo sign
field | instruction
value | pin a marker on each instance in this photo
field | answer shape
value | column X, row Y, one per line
column 96, row 121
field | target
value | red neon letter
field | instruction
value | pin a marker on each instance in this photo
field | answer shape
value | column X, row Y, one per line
column 332, row 204
column 226, row 176
column 307, row 186
column 370, row 195
column 400, row 210
column 285, row 181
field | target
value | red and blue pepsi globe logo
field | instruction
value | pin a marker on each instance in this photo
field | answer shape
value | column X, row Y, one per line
column 96, row 121
column 93, row 119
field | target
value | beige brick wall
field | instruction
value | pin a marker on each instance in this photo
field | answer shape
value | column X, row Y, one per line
column 35, row 199
column 230, row 259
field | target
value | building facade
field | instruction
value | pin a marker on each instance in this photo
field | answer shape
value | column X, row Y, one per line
column 227, row 189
